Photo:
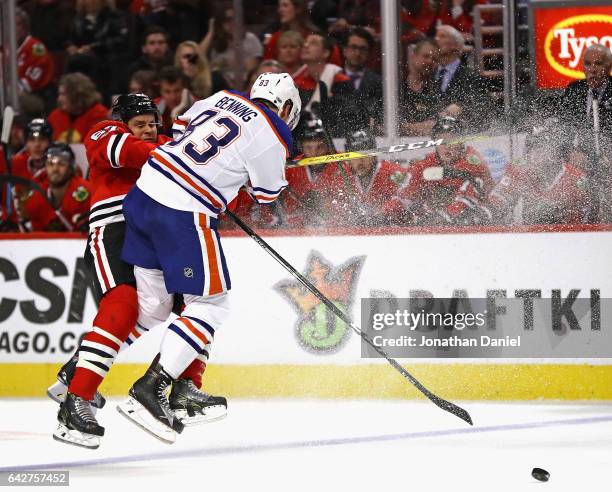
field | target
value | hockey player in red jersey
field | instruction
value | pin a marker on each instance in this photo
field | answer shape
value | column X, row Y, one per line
column 449, row 186
column 30, row 161
column 116, row 151
column 67, row 203
column 300, row 203
column 543, row 189
column 356, row 193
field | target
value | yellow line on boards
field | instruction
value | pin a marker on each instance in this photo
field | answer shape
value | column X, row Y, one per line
column 450, row 381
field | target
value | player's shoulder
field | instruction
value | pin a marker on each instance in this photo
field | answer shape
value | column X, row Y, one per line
column 104, row 129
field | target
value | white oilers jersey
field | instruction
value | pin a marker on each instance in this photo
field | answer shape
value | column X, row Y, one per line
column 220, row 144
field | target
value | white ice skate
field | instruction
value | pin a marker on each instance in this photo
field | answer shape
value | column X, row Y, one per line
column 78, row 438
column 139, row 415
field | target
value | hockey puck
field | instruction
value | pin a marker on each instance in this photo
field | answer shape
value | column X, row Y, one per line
column 540, row 474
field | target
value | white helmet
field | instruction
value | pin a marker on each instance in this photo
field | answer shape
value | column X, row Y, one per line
column 278, row 88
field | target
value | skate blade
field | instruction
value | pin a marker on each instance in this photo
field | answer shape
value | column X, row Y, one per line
column 213, row 414
column 57, row 392
column 139, row 415
column 76, row 438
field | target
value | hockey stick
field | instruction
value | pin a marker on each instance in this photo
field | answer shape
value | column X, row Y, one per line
column 349, row 156
column 443, row 404
column 5, row 137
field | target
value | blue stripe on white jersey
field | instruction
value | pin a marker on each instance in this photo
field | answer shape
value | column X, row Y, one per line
column 168, row 174
column 208, row 186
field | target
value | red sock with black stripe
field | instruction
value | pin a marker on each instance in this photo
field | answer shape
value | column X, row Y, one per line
column 117, row 315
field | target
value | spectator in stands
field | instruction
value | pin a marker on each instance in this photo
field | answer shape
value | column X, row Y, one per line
column 144, row 82
column 173, row 94
column 271, row 66
column 448, row 186
column 155, row 52
column 367, row 84
column 182, row 19
column 50, row 20
column 352, row 13
column 357, row 192
column 595, row 90
column 29, row 163
column 98, row 37
column 544, row 189
column 461, row 90
column 424, row 15
column 420, row 105
column 78, row 108
column 218, row 46
column 35, row 67
column 324, row 89
column 195, row 68
column 294, row 16
column 290, row 45
column 66, row 204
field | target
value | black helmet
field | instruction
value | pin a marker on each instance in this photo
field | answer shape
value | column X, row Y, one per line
column 447, row 124
column 360, row 140
column 61, row 150
column 129, row 105
column 38, row 127
column 313, row 130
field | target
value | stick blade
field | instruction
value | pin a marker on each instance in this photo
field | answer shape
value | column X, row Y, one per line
column 454, row 409
column 7, row 124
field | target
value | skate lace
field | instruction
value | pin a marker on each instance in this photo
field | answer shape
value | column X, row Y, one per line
column 195, row 391
column 83, row 410
column 162, row 396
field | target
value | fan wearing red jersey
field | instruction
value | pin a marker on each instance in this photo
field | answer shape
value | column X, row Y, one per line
column 116, row 151
column 66, row 205
column 544, row 189
column 448, row 186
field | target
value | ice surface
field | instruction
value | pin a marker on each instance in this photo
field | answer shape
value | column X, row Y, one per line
column 289, row 445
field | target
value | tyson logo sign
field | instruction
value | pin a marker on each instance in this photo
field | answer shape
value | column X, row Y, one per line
column 566, row 41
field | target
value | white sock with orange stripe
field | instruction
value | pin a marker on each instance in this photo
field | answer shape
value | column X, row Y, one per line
column 185, row 339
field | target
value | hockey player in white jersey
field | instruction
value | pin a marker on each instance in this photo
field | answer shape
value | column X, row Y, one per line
column 221, row 144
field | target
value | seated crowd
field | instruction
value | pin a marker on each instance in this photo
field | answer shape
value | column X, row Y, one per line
column 332, row 51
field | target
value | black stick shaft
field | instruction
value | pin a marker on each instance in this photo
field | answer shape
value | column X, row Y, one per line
column 443, row 404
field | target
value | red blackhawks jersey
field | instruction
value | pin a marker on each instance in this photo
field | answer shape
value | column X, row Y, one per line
column 68, row 216
column 349, row 200
column 34, row 65
column 520, row 192
column 464, row 185
column 115, row 158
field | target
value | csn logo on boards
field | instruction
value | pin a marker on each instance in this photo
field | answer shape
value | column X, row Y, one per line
column 317, row 329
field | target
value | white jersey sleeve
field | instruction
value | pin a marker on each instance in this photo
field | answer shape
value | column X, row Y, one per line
column 223, row 142
column 267, row 180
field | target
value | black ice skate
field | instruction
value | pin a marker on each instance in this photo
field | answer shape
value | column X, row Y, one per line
column 193, row 406
column 148, row 407
column 77, row 424
column 57, row 391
